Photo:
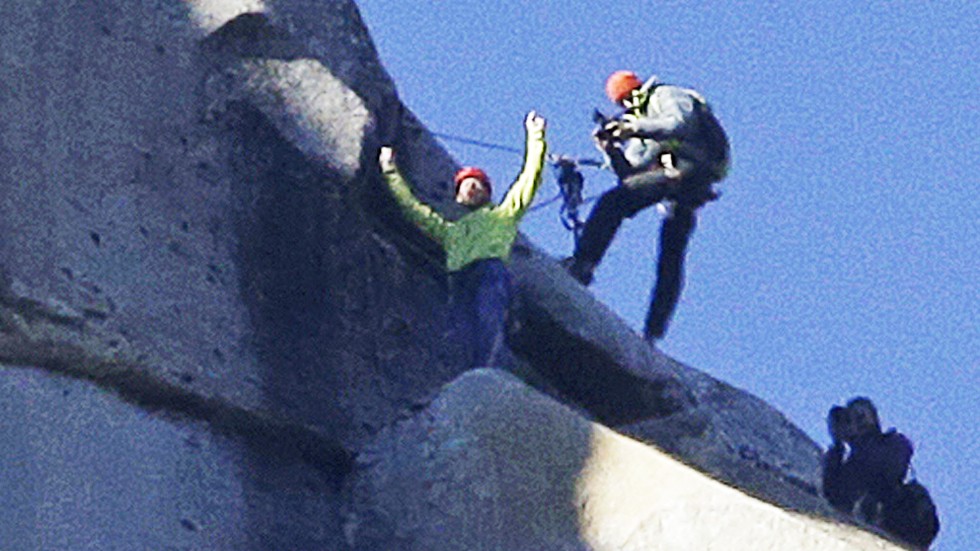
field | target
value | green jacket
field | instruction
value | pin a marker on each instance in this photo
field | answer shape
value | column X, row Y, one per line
column 487, row 232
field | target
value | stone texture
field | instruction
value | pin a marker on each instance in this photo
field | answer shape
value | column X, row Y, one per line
column 179, row 182
column 591, row 359
column 82, row 469
column 493, row 464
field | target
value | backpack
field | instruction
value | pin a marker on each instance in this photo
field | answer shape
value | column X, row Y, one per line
column 714, row 137
column 911, row 515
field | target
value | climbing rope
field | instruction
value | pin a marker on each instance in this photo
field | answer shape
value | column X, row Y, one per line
column 470, row 141
column 571, row 183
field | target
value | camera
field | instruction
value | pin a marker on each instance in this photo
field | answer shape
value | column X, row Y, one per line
column 839, row 415
column 606, row 127
column 839, row 423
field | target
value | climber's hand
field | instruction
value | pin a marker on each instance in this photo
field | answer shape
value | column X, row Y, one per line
column 627, row 129
column 387, row 159
column 534, row 122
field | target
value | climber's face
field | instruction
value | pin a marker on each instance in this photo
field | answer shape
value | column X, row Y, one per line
column 472, row 193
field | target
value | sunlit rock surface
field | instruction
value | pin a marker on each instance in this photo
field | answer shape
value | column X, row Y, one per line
column 493, row 464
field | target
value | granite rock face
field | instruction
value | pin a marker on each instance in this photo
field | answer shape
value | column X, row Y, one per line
column 493, row 464
column 82, row 469
column 210, row 307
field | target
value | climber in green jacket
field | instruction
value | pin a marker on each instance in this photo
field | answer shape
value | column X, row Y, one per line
column 478, row 244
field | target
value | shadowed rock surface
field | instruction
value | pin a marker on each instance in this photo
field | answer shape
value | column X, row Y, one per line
column 210, row 305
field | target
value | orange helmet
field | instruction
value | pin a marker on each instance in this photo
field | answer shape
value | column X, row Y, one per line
column 472, row 172
column 620, row 84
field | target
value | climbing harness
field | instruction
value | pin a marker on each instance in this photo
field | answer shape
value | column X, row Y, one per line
column 570, row 183
column 570, row 186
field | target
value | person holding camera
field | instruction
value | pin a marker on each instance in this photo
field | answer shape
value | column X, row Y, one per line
column 875, row 466
column 865, row 469
column 478, row 244
column 666, row 147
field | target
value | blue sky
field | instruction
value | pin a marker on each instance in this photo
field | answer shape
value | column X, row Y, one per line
column 842, row 258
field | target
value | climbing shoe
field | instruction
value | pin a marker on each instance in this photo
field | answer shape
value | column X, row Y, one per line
column 579, row 269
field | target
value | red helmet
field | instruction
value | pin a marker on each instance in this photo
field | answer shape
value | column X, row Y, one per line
column 472, row 172
column 620, row 84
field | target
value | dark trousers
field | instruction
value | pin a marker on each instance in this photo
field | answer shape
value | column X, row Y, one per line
column 635, row 193
column 481, row 294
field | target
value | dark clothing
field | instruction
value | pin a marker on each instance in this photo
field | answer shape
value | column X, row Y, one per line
column 912, row 516
column 838, row 488
column 675, row 232
column 672, row 121
column 871, row 479
column 610, row 210
column 481, row 294
column 872, row 475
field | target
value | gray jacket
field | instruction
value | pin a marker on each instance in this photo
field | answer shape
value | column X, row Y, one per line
column 671, row 119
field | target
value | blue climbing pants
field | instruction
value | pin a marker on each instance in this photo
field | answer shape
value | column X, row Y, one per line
column 481, row 294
